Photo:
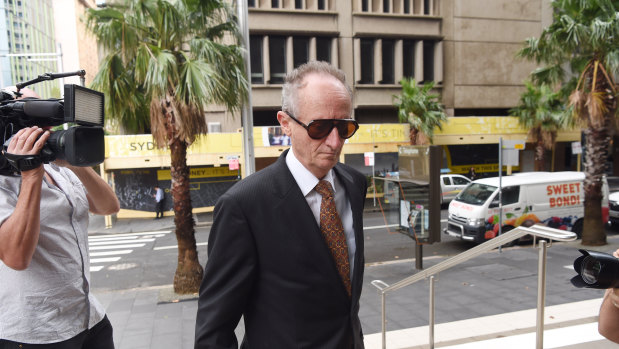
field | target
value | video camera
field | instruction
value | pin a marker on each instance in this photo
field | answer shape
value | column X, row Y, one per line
column 79, row 145
column 596, row 270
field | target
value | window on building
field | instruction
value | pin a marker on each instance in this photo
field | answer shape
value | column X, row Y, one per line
column 277, row 59
column 388, row 61
column 365, row 6
column 407, row 6
column 300, row 50
column 323, row 49
column 274, row 3
column 426, row 6
column 408, row 58
column 251, row 3
column 298, row 4
column 367, row 61
column 322, row 5
column 255, row 53
column 428, row 60
column 386, row 6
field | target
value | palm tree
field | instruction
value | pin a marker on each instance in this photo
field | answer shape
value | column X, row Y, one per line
column 420, row 109
column 541, row 112
column 169, row 59
column 580, row 49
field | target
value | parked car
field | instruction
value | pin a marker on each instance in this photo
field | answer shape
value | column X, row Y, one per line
column 613, row 212
column 452, row 185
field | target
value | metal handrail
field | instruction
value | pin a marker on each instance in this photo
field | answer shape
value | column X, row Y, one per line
column 516, row 233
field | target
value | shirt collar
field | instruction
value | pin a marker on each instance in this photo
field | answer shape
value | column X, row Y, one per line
column 304, row 178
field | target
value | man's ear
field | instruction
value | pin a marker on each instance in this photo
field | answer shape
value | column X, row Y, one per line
column 284, row 122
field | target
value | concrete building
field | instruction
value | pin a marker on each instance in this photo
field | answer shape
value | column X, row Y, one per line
column 45, row 36
column 27, row 44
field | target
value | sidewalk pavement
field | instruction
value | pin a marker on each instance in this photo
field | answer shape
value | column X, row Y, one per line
column 467, row 315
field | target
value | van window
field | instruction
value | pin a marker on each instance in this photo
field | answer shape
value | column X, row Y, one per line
column 476, row 194
column 446, row 180
column 510, row 195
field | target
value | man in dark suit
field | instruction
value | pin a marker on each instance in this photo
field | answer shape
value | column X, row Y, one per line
column 283, row 253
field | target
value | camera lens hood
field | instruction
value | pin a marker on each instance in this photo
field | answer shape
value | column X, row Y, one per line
column 596, row 270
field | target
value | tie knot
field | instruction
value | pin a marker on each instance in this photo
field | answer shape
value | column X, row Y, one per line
column 324, row 188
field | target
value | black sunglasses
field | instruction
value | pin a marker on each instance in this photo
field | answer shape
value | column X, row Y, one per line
column 319, row 129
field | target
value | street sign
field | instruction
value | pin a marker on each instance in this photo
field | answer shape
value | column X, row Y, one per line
column 510, row 150
column 369, row 158
column 233, row 162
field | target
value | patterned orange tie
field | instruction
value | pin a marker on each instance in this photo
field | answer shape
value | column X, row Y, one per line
column 333, row 232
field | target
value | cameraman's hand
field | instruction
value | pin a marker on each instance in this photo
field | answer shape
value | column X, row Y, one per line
column 28, row 141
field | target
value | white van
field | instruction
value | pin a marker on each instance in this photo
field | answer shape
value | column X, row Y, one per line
column 555, row 199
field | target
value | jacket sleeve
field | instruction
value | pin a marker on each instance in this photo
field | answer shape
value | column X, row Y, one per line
column 228, row 277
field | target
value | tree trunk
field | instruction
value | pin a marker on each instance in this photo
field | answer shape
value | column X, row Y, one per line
column 413, row 136
column 593, row 233
column 189, row 272
column 539, row 156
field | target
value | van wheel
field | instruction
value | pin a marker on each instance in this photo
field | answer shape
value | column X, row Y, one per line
column 577, row 228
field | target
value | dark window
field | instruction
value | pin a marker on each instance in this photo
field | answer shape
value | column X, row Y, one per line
column 386, row 6
column 407, row 6
column 367, row 61
column 298, row 4
column 255, row 53
column 460, row 181
column 277, row 59
column 388, row 61
column 408, row 58
column 300, row 49
column 251, row 3
column 428, row 60
column 321, row 4
column 510, row 195
column 274, row 3
column 446, row 180
column 365, row 5
column 426, row 7
column 323, row 49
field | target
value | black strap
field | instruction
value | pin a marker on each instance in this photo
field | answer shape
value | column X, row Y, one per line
column 24, row 162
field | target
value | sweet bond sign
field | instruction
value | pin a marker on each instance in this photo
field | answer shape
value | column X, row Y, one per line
column 560, row 195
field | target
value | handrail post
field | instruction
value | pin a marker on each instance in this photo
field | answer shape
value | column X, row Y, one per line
column 384, row 329
column 541, row 294
column 431, row 315
column 381, row 286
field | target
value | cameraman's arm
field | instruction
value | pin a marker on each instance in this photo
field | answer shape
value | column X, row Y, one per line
column 608, row 322
column 19, row 233
column 101, row 197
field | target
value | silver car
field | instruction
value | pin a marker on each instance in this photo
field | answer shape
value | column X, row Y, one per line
column 452, row 185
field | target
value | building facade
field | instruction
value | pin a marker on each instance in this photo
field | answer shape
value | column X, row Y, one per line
column 28, row 44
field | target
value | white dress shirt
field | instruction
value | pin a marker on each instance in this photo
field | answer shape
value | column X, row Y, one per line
column 307, row 182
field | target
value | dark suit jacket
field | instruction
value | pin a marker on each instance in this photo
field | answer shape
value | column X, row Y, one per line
column 269, row 262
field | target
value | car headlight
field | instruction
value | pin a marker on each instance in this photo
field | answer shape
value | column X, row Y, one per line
column 475, row 222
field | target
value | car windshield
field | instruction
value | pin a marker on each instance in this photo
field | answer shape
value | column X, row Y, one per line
column 476, row 194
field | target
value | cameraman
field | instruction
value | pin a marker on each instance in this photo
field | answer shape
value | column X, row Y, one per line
column 608, row 322
column 44, row 262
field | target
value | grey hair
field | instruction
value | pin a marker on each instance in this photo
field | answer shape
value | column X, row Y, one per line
column 295, row 81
